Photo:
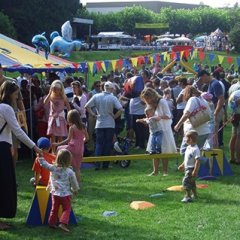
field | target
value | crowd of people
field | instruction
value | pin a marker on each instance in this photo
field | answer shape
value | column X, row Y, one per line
column 153, row 109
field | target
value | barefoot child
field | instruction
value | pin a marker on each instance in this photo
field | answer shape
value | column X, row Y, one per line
column 63, row 184
column 76, row 137
column 190, row 166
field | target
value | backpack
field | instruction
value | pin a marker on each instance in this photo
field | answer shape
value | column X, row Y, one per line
column 133, row 87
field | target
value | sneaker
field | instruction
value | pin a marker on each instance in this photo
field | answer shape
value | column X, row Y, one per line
column 194, row 196
column 63, row 227
column 165, row 174
column 117, row 148
column 186, row 200
column 152, row 174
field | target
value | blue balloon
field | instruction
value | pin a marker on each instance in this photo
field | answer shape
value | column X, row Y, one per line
column 41, row 43
column 59, row 44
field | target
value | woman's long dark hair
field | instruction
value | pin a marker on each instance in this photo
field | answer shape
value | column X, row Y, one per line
column 6, row 90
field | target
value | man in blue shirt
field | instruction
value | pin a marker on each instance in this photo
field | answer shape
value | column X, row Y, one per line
column 216, row 89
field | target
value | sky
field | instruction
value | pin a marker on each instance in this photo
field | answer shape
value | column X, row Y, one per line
column 212, row 3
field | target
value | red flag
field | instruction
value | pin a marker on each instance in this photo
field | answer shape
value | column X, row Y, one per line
column 229, row 60
column 201, row 55
column 99, row 65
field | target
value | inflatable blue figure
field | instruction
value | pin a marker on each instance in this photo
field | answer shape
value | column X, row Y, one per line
column 41, row 43
column 64, row 45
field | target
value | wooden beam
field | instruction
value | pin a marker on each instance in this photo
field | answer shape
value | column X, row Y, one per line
column 132, row 157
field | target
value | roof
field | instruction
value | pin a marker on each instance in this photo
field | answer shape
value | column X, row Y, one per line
column 115, row 6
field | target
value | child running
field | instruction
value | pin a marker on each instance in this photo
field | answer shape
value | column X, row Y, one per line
column 57, row 125
column 63, row 183
column 76, row 137
column 190, row 166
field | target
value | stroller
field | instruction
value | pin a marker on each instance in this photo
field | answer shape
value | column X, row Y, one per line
column 121, row 146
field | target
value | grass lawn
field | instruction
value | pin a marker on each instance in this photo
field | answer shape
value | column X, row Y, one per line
column 213, row 216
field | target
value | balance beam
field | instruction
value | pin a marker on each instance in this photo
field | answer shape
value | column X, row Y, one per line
column 131, row 157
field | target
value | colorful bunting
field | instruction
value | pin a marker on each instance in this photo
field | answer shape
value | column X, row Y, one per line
column 229, row 60
column 114, row 64
column 221, row 58
column 238, row 61
column 201, row 55
column 134, row 62
column 211, row 57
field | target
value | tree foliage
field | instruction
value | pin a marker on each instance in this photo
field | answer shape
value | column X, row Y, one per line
column 32, row 17
column 6, row 26
column 234, row 36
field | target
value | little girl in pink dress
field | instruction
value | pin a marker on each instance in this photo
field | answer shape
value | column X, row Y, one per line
column 57, row 125
column 76, row 137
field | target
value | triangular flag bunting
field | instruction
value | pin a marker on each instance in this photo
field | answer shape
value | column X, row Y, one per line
column 238, row 61
column 161, row 58
column 75, row 65
column 187, row 53
column 182, row 54
column 90, row 64
column 114, row 63
column 157, row 58
column 103, row 66
column 106, row 62
column 178, row 56
column 134, row 62
column 201, row 55
column 99, row 66
column 211, row 57
column 220, row 58
column 229, row 60
column 146, row 59
column 120, row 63
column 150, row 60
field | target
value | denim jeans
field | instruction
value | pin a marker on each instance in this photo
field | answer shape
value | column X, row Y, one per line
column 156, row 142
column 104, row 141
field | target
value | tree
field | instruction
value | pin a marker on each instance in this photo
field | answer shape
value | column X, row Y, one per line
column 6, row 26
column 32, row 17
column 234, row 36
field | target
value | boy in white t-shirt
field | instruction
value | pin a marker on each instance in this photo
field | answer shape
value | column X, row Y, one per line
column 190, row 166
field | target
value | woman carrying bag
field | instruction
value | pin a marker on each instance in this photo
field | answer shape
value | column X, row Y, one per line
column 196, row 115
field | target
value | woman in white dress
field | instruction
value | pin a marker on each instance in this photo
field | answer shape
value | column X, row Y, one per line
column 164, row 117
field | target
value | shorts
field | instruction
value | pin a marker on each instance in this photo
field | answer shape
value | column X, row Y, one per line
column 188, row 181
column 235, row 124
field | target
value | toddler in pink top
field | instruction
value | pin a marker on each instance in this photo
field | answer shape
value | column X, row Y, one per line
column 75, row 141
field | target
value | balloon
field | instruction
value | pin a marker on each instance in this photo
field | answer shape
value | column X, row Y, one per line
column 67, row 31
column 41, row 43
column 64, row 47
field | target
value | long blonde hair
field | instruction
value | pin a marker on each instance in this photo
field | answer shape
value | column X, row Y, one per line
column 63, row 159
column 150, row 93
column 58, row 84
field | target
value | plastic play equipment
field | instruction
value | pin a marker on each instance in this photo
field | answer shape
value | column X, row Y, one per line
column 184, row 64
column 40, row 209
column 141, row 205
column 64, row 45
column 41, row 43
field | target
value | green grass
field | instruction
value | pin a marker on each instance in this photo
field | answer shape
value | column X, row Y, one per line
column 213, row 216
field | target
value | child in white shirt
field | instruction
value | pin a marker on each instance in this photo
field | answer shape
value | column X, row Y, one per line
column 190, row 166
column 63, row 183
